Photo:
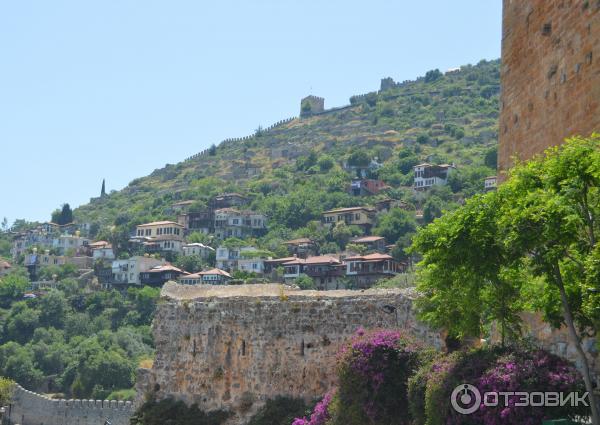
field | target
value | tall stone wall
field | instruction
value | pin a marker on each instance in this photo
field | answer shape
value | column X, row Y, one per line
column 550, row 75
column 235, row 347
column 29, row 408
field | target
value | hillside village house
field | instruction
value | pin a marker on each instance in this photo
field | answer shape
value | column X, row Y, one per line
column 326, row 271
column 127, row 272
column 35, row 261
column 365, row 270
column 384, row 205
column 490, row 183
column 302, row 247
column 227, row 200
column 371, row 243
column 196, row 248
column 363, row 171
column 46, row 235
column 159, row 275
column 196, row 221
column 275, row 263
column 251, row 264
column 160, row 236
column 102, row 250
column 181, row 205
column 230, row 222
column 207, row 277
column 229, row 258
column 75, row 242
column 366, row 187
column 427, row 175
column 356, row 216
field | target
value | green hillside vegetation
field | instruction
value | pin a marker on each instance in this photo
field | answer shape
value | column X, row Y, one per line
column 439, row 118
column 74, row 342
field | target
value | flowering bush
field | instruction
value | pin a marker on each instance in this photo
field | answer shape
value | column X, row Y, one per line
column 373, row 373
column 529, row 371
column 320, row 414
column 492, row 369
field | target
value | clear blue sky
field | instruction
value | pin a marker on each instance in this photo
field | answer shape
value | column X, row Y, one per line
column 117, row 88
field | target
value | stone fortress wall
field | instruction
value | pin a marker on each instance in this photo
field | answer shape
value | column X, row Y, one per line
column 234, row 347
column 550, row 75
column 29, row 408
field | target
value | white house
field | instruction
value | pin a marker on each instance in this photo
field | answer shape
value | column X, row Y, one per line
column 427, row 175
column 127, row 272
column 102, row 250
column 252, row 265
column 196, row 248
column 228, row 258
column 229, row 222
column 66, row 242
column 490, row 183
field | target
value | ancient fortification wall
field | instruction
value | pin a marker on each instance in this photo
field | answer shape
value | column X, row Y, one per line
column 550, row 74
column 236, row 346
column 29, row 408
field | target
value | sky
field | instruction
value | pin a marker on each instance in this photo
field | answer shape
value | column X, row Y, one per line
column 113, row 89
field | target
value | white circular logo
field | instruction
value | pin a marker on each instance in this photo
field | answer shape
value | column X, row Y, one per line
column 465, row 399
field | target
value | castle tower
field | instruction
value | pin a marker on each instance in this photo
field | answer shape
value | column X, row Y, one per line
column 550, row 75
column 311, row 105
column 387, row 84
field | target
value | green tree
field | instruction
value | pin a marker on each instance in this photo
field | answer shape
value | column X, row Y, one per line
column 395, row 224
column 542, row 220
column 63, row 215
column 466, row 273
column 53, row 308
column 145, row 300
column 12, row 287
column 305, row 282
column 6, row 389
column 190, row 263
column 432, row 209
column 491, row 158
column 21, row 323
column 325, row 163
column 550, row 214
column 359, row 158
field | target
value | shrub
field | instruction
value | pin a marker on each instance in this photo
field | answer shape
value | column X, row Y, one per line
column 492, row 369
column 280, row 411
column 529, row 371
column 171, row 412
column 373, row 370
column 320, row 414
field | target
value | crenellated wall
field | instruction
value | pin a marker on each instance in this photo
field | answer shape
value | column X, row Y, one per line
column 237, row 346
column 29, row 408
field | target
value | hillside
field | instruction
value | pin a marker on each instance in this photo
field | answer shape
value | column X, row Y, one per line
column 293, row 170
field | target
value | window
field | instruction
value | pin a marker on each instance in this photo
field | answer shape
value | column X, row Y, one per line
column 357, row 216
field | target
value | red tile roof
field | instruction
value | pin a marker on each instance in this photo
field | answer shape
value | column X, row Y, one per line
column 164, row 268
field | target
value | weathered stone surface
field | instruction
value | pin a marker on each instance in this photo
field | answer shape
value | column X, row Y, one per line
column 550, row 75
column 219, row 346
